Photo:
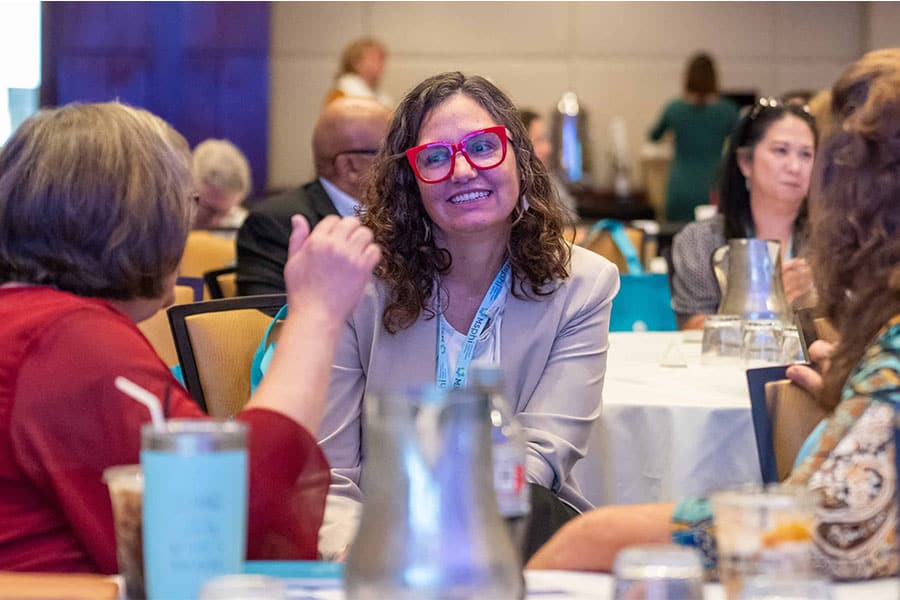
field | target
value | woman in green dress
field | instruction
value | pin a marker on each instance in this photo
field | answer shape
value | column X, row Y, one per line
column 701, row 121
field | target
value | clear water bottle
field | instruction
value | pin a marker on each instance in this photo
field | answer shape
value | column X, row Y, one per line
column 508, row 444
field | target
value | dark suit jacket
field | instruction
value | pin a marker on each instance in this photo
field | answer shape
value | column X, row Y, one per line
column 262, row 240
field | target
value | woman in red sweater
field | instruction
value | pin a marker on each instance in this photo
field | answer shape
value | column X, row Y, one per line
column 95, row 206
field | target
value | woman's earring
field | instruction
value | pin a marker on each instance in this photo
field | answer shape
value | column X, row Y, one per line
column 747, row 183
column 521, row 208
column 427, row 229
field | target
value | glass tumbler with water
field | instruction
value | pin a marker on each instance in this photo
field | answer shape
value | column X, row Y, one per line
column 721, row 340
column 658, row 572
column 761, row 342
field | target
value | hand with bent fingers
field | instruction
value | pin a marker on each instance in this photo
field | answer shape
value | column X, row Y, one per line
column 328, row 268
column 799, row 288
column 808, row 378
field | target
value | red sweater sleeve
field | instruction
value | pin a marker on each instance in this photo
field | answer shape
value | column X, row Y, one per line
column 69, row 423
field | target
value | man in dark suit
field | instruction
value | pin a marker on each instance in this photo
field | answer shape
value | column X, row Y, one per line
column 346, row 137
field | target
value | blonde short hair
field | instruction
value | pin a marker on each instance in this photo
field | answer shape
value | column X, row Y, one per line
column 221, row 164
column 354, row 51
column 95, row 199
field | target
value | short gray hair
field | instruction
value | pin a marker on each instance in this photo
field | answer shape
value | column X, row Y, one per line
column 221, row 164
column 95, row 199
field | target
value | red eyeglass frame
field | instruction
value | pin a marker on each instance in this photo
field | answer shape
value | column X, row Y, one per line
column 458, row 148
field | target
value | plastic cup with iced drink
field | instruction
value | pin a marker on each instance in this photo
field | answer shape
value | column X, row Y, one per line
column 763, row 531
column 126, row 489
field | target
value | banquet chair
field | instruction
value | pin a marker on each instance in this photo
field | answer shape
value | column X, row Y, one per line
column 601, row 242
column 221, row 283
column 205, row 252
column 157, row 331
column 215, row 341
column 792, row 413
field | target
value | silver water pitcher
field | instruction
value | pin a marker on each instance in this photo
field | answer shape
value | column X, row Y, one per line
column 430, row 526
column 749, row 275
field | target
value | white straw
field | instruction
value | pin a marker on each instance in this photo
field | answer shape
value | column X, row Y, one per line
column 146, row 398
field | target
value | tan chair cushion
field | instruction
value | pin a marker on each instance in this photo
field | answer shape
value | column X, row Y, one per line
column 205, row 252
column 793, row 413
column 228, row 283
column 53, row 585
column 158, row 332
column 224, row 344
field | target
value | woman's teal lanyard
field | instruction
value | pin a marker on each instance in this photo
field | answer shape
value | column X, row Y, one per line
column 475, row 331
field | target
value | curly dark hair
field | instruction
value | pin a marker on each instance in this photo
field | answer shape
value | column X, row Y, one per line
column 734, row 197
column 856, row 210
column 393, row 208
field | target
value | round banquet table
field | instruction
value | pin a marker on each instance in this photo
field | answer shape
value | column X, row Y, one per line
column 670, row 427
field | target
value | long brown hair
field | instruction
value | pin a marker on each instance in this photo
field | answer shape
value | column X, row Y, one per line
column 538, row 254
column 856, row 210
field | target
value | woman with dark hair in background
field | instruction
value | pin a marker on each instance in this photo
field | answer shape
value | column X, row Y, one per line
column 701, row 122
column 463, row 208
column 763, row 185
column 849, row 460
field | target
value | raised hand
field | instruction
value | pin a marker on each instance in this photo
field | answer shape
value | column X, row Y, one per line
column 809, row 379
column 798, row 283
column 328, row 268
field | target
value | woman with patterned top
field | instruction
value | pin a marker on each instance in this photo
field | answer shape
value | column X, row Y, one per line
column 763, row 184
column 850, row 460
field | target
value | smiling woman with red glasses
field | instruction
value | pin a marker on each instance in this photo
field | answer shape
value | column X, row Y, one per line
column 468, row 220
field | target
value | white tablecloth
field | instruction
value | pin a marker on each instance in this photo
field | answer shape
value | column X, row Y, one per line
column 566, row 585
column 667, row 431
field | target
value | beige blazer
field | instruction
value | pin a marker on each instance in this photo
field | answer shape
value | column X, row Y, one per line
column 553, row 356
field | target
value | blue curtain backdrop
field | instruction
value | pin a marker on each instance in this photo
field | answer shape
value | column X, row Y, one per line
column 202, row 66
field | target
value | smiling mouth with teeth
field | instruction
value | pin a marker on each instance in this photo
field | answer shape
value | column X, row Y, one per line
column 468, row 197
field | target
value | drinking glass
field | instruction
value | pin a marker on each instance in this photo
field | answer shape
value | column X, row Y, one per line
column 785, row 588
column 721, row 340
column 761, row 342
column 126, row 489
column 763, row 530
column 658, row 572
column 791, row 348
column 195, row 504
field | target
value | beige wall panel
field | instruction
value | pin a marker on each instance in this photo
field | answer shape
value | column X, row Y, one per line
column 882, row 22
column 747, row 75
column 316, row 28
column 818, row 30
column 297, row 89
column 472, row 28
column 814, row 76
column 537, row 84
column 636, row 91
column 674, row 30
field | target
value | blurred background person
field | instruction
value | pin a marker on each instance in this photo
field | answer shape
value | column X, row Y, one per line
column 222, row 180
column 763, row 185
column 348, row 133
column 543, row 147
column 701, row 122
column 359, row 74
